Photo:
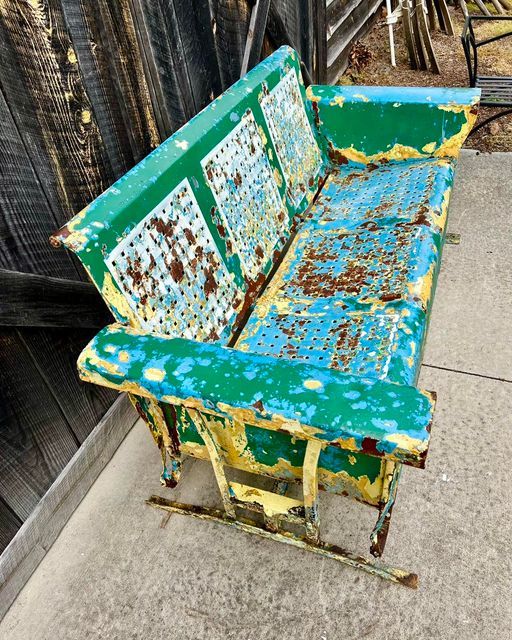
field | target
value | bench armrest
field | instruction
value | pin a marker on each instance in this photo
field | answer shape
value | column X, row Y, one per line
column 314, row 403
column 371, row 124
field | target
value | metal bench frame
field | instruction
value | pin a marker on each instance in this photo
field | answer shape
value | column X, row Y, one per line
column 496, row 90
column 183, row 247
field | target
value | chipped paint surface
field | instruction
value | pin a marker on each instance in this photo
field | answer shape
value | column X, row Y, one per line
column 172, row 273
column 272, row 504
column 247, row 196
column 392, row 123
column 355, row 289
column 239, row 205
column 268, row 391
column 279, row 455
column 290, row 130
column 320, row 388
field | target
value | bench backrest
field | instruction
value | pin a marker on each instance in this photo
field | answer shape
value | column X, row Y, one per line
column 182, row 244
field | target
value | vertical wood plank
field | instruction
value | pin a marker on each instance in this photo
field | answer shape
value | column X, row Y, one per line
column 196, row 40
column 180, row 57
column 84, row 23
column 305, row 18
column 120, row 43
column 35, row 440
column 9, row 525
column 27, row 218
column 255, row 35
column 159, row 67
column 320, row 39
column 42, row 84
column 231, row 26
column 54, row 352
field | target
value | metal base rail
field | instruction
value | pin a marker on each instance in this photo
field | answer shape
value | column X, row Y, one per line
column 392, row 574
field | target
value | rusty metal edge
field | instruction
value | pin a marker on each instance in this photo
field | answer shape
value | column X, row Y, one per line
column 392, row 574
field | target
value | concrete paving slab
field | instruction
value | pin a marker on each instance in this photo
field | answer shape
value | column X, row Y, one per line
column 116, row 572
column 471, row 326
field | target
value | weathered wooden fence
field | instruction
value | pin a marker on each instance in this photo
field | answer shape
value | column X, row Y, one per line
column 88, row 88
column 345, row 22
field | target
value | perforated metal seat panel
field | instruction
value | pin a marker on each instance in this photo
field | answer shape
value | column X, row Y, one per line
column 354, row 290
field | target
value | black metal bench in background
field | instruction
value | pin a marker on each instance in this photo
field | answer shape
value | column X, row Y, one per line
column 496, row 90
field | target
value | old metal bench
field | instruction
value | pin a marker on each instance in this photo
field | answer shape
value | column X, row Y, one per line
column 271, row 268
column 496, row 90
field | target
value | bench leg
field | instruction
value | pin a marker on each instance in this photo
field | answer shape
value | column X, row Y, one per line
column 272, row 523
column 165, row 436
column 276, row 506
column 310, row 490
column 212, row 445
column 379, row 534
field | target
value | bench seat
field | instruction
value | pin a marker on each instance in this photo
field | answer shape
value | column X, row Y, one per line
column 356, row 286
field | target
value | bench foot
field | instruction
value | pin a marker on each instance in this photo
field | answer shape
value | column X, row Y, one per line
column 380, row 532
column 392, row 574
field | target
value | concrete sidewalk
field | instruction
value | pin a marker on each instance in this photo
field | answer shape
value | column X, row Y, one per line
column 123, row 570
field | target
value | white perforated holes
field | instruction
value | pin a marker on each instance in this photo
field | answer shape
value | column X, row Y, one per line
column 172, row 273
column 296, row 147
column 242, row 183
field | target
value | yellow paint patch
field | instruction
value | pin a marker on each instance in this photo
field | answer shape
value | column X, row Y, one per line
column 110, row 348
column 311, row 96
column 429, row 147
column 86, row 116
column 72, row 56
column 75, row 239
column 124, row 356
column 157, row 375
column 195, row 450
column 397, row 152
column 278, row 178
column 410, row 359
column 90, row 356
column 116, row 299
column 360, row 96
column 272, row 504
column 452, row 146
column 422, row 288
column 337, row 101
column 262, row 134
column 407, row 444
column 312, row 384
column 441, row 218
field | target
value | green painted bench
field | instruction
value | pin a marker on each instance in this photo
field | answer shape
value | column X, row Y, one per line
column 271, row 268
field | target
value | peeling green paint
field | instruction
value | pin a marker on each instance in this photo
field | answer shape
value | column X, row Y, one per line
column 330, row 349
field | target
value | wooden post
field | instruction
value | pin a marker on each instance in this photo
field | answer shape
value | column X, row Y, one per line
column 254, row 42
column 320, row 36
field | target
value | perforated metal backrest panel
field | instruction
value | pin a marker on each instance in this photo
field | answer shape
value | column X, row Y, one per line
column 247, row 196
column 296, row 147
column 171, row 271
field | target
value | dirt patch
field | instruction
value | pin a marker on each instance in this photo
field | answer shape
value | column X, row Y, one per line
column 494, row 59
